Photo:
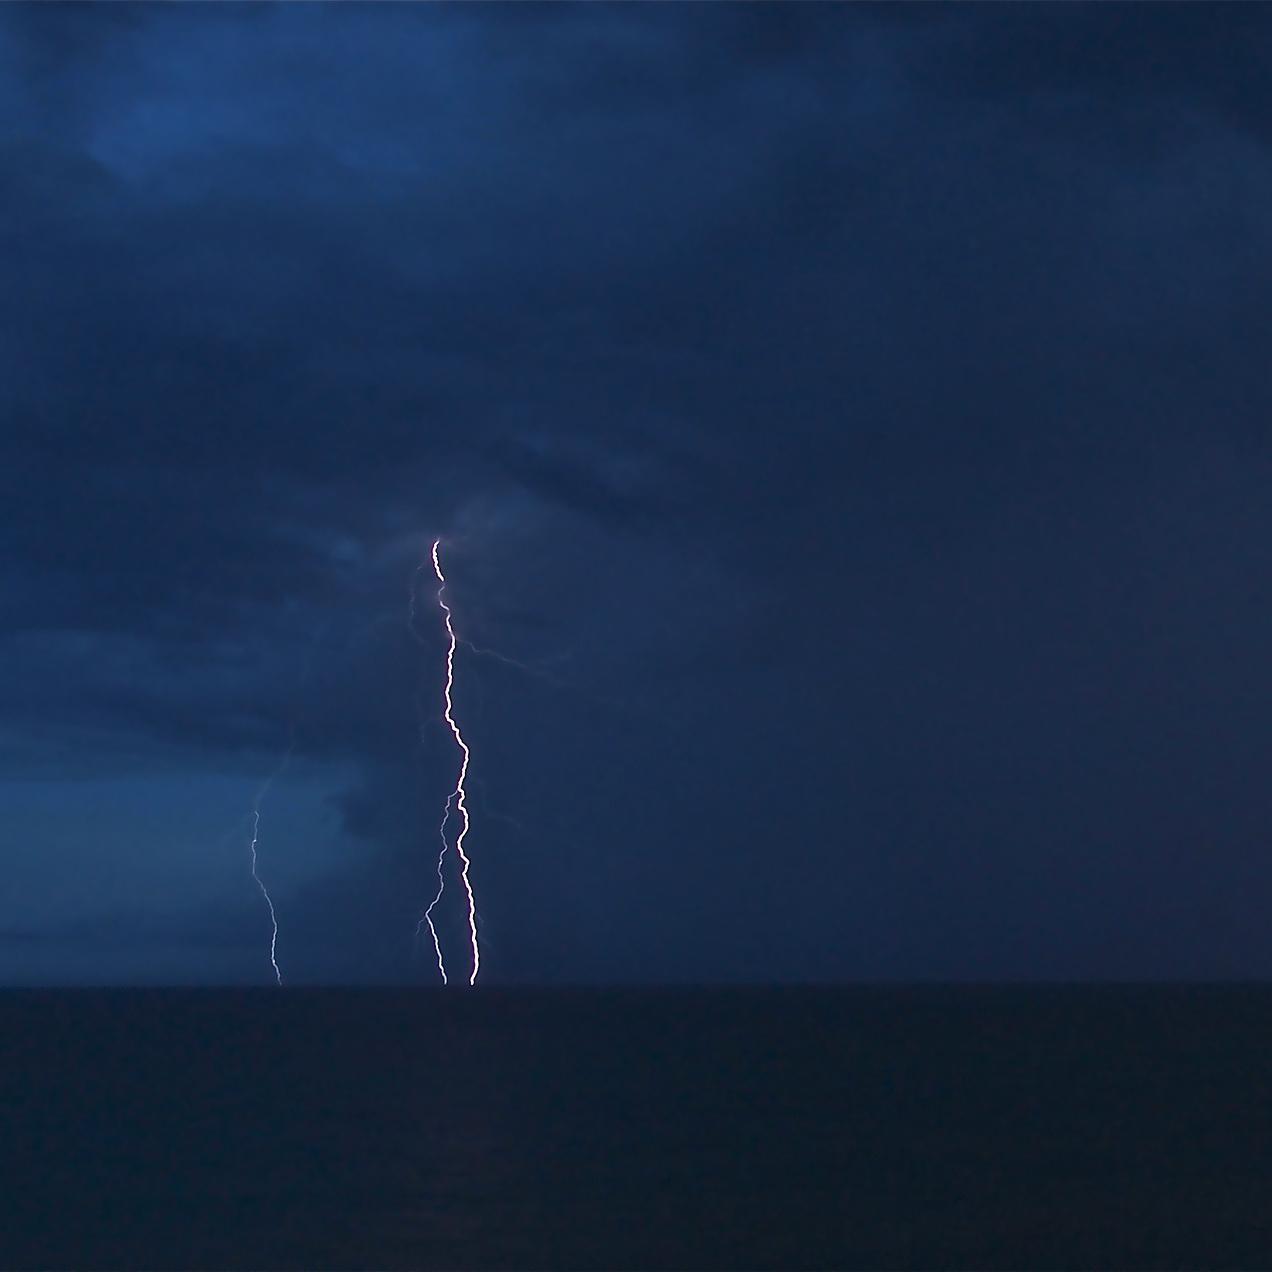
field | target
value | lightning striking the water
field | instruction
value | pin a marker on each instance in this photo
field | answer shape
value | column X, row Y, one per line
column 441, row 887
column 458, row 798
column 273, row 918
column 259, row 799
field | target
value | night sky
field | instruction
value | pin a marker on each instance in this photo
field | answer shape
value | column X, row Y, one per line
column 854, row 420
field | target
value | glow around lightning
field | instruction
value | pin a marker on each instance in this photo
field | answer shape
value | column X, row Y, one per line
column 458, row 798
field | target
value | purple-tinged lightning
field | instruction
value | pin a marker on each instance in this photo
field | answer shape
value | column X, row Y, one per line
column 427, row 916
column 273, row 918
column 458, row 798
column 441, row 887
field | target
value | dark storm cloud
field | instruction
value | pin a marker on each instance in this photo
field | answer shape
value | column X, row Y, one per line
column 857, row 415
column 1215, row 63
column 229, row 310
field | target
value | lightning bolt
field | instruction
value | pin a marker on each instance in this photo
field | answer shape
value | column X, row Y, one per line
column 273, row 918
column 259, row 799
column 441, row 887
column 458, row 798
column 503, row 658
column 257, row 802
column 427, row 916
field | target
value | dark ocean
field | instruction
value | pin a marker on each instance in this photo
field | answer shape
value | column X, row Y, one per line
column 1040, row 1127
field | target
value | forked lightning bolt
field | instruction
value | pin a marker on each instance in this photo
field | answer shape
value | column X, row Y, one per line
column 458, row 798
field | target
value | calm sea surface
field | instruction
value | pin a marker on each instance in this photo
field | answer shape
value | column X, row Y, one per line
column 926, row 1127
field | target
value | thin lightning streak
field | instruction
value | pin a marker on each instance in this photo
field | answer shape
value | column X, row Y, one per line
column 549, row 678
column 539, row 673
column 503, row 658
column 273, row 918
column 256, row 834
column 259, row 799
column 460, row 793
column 441, row 887
column 427, row 917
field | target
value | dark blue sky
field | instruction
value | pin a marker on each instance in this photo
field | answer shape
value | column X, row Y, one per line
column 857, row 420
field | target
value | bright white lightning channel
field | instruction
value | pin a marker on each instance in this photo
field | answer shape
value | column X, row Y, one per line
column 458, row 798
